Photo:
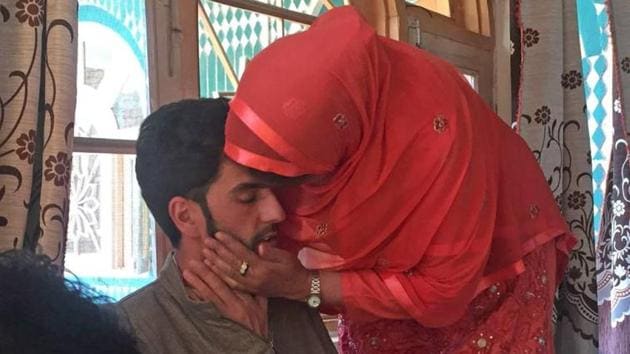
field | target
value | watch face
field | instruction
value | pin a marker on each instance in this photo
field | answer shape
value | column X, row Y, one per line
column 314, row 301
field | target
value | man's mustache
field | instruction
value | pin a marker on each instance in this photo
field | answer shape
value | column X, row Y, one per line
column 267, row 234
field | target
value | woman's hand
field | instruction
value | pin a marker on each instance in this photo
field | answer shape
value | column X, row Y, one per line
column 271, row 272
column 250, row 311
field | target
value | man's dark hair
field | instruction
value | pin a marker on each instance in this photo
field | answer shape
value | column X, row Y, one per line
column 179, row 149
column 41, row 312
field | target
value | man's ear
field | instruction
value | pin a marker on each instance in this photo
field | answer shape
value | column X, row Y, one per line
column 183, row 211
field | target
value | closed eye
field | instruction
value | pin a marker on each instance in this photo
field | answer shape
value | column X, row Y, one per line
column 248, row 197
column 248, row 193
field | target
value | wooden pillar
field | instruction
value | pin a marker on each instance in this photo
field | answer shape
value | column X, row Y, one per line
column 386, row 16
column 173, row 65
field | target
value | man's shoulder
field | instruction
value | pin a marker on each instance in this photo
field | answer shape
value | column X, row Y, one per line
column 142, row 313
column 142, row 302
column 140, row 296
column 143, row 292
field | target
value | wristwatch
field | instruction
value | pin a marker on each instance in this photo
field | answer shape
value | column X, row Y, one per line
column 314, row 299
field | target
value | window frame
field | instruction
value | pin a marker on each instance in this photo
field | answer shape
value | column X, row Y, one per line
column 446, row 37
column 119, row 147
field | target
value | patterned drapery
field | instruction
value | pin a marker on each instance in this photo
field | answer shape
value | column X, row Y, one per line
column 37, row 102
column 550, row 117
column 613, row 248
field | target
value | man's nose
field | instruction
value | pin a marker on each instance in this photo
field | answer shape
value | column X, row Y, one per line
column 271, row 211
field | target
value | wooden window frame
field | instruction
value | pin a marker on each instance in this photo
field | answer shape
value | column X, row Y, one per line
column 173, row 68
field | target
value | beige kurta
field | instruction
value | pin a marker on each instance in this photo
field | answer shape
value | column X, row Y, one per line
column 165, row 320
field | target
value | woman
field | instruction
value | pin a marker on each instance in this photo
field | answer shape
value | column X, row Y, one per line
column 428, row 220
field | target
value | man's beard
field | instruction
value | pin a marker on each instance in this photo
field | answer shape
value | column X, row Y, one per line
column 212, row 229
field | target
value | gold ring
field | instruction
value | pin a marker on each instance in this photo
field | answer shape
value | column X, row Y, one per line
column 244, row 268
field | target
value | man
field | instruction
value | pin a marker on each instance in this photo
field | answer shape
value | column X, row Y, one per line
column 41, row 312
column 193, row 191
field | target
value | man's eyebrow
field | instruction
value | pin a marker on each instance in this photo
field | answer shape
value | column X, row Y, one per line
column 250, row 185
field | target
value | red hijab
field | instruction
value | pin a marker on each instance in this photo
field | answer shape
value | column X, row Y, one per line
column 415, row 173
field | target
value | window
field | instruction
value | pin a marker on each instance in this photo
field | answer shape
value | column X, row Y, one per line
column 459, row 32
column 471, row 78
column 111, row 244
column 442, row 7
column 473, row 15
column 229, row 36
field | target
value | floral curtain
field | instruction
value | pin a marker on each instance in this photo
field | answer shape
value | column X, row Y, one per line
column 37, row 101
column 613, row 248
column 549, row 113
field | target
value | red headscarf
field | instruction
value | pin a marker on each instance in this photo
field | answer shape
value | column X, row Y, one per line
column 418, row 179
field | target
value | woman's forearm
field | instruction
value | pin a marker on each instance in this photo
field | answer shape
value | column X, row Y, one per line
column 331, row 290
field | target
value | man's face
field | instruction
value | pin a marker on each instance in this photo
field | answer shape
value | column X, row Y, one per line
column 242, row 205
